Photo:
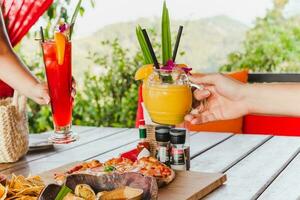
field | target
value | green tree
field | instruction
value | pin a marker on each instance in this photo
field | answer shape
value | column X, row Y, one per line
column 109, row 94
column 272, row 45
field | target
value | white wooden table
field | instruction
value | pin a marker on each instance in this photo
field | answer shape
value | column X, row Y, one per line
column 257, row 166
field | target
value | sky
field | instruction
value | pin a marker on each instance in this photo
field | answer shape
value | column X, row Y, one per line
column 113, row 11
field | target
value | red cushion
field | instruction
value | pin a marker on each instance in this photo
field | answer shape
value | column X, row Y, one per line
column 272, row 125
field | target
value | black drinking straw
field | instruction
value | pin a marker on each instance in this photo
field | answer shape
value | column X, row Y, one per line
column 177, row 42
column 150, row 48
column 42, row 34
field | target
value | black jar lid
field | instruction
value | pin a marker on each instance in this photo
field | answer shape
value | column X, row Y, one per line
column 177, row 135
column 162, row 133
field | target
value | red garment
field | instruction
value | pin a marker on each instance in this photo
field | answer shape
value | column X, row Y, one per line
column 20, row 16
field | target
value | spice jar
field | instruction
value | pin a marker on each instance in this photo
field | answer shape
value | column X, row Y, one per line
column 162, row 137
column 179, row 158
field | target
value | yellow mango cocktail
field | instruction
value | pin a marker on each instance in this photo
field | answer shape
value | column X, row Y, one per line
column 167, row 104
column 167, row 97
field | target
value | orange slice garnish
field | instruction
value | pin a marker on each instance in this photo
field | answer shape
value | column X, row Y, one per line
column 60, row 41
column 143, row 72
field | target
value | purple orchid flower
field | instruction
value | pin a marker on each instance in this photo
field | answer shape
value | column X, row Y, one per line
column 63, row 27
column 170, row 65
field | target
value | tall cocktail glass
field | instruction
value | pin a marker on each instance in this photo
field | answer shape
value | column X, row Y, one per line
column 59, row 79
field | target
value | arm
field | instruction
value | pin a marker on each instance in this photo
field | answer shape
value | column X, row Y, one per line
column 14, row 72
column 229, row 99
column 273, row 99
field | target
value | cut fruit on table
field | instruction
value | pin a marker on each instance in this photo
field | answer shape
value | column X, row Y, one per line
column 60, row 41
column 143, row 72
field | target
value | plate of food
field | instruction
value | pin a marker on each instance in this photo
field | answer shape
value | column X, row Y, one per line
column 20, row 187
column 112, row 186
column 147, row 166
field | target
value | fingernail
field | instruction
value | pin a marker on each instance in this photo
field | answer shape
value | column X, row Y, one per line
column 194, row 112
column 194, row 122
column 206, row 92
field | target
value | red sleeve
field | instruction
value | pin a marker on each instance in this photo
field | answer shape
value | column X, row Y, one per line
column 20, row 16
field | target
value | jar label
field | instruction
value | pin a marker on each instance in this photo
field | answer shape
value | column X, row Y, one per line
column 162, row 154
column 178, row 157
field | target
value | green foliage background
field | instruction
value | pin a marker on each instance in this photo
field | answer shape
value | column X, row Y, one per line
column 109, row 98
column 273, row 45
column 108, row 94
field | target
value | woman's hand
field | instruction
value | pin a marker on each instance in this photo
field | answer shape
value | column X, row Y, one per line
column 40, row 93
column 225, row 99
column 73, row 89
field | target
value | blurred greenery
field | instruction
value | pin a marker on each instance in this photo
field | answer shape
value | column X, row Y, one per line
column 107, row 94
column 272, row 45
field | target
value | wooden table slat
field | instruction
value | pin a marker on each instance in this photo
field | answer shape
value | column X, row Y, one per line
column 286, row 185
column 252, row 174
column 78, row 153
column 87, row 136
column 114, row 153
column 76, row 129
column 202, row 141
column 228, row 153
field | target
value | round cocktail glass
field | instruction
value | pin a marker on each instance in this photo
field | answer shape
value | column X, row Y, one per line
column 59, row 79
column 167, row 96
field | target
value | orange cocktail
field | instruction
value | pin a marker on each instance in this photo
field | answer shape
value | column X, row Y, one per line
column 167, row 96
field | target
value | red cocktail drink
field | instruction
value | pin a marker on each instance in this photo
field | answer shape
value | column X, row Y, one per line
column 59, row 78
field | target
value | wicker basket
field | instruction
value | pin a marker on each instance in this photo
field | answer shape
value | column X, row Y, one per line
column 151, row 138
column 13, row 129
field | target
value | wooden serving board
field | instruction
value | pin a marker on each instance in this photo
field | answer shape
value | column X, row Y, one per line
column 187, row 185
